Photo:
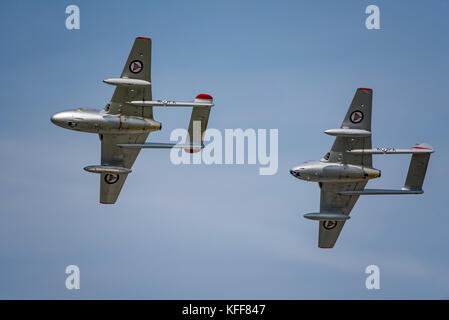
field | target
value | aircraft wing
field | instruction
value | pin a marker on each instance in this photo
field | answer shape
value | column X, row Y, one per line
column 114, row 156
column 134, row 82
column 356, row 121
column 333, row 202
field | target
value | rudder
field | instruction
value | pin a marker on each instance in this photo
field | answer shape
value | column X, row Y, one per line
column 198, row 123
column 418, row 168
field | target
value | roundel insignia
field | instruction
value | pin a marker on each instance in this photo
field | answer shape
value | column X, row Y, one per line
column 135, row 66
column 356, row 116
column 329, row 224
column 111, row 178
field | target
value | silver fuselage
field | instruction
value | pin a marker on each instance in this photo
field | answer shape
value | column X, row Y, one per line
column 320, row 171
column 99, row 121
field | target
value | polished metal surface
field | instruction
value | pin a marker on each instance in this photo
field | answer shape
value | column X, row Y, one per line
column 107, row 169
column 125, row 123
column 96, row 121
column 326, row 216
column 344, row 171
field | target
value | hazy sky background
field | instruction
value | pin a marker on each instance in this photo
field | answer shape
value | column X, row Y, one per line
column 222, row 231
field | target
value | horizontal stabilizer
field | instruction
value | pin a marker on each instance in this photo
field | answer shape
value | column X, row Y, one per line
column 107, row 169
column 156, row 145
column 378, row 192
column 166, row 103
column 327, row 216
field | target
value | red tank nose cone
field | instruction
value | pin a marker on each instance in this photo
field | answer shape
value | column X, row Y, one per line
column 204, row 96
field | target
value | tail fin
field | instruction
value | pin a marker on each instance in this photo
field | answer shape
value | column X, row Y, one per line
column 198, row 123
column 359, row 113
column 418, row 167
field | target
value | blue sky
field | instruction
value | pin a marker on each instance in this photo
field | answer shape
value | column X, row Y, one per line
column 221, row 232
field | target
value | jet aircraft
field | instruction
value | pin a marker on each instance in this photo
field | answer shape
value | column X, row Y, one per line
column 126, row 121
column 344, row 171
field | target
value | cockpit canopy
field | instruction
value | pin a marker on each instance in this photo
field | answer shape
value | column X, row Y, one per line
column 326, row 157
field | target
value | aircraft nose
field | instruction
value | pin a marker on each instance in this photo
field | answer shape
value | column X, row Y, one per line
column 56, row 119
column 63, row 119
